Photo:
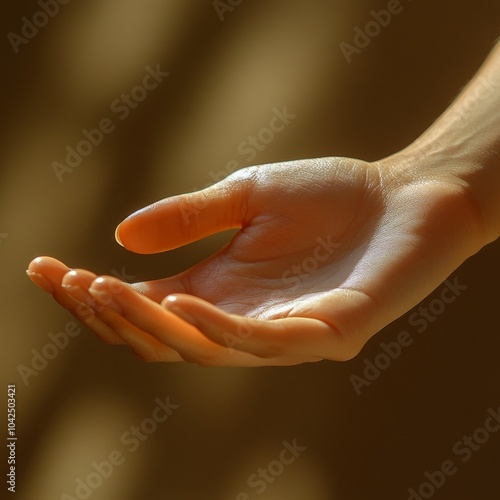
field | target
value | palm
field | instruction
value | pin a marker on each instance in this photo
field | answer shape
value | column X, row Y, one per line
column 303, row 240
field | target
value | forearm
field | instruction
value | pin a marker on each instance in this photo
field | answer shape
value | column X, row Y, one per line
column 465, row 141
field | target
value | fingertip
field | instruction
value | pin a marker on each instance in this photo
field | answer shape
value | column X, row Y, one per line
column 108, row 284
column 184, row 301
column 69, row 278
column 168, row 301
column 38, row 260
column 47, row 273
column 78, row 277
column 131, row 229
column 138, row 235
column 99, row 283
column 171, row 304
column 42, row 262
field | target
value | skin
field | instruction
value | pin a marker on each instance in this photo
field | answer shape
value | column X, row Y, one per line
column 328, row 252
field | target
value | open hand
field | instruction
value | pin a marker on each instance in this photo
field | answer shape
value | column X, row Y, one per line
column 328, row 252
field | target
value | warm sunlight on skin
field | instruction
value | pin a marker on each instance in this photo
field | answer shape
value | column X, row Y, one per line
column 329, row 250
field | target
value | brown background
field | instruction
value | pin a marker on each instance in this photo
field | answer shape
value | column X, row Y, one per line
column 225, row 79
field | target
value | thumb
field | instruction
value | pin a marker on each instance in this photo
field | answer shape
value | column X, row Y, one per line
column 182, row 219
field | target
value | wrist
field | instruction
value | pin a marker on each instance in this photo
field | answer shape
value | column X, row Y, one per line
column 440, row 180
column 463, row 147
column 468, row 161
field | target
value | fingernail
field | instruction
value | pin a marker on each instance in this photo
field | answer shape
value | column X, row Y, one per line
column 41, row 281
column 117, row 237
column 169, row 305
column 105, row 299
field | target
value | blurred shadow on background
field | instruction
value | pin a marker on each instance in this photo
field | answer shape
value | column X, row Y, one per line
column 225, row 77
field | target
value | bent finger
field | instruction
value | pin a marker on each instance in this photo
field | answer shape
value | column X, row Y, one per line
column 76, row 284
column 168, row 328
column 144, row 346
column 296, row 339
